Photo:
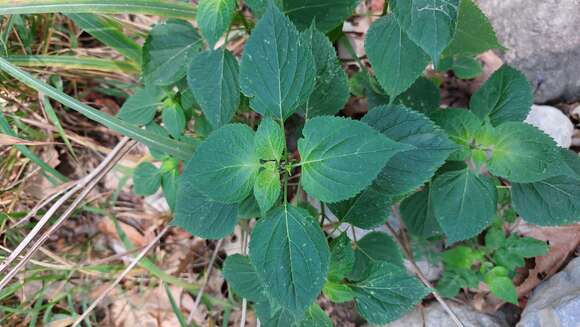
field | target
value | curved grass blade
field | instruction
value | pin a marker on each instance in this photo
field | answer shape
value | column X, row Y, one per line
column 74, row 63
column 165, row 8
column 109, row 32
column 178, row 149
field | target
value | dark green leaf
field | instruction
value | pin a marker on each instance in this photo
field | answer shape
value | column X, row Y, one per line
column 225, row 166
column 146, row 179
column 369, row 209
column 341, row 157
column 467, row 67
column 327, row 14
column 373, row 249
column 341, row 258
column 474, row 34
column 417, row 213
column 277, row 71
column 140, row 108
column 464, row 203
column 397, row 61
column 495, row 238
column 169, row 183
column 213, row 78
column 526, row 247
column 242, row 277
column 430, row 24
column 201, row 216
column 387, row 293
column 505, row 96
column 291, row 256
column 167, row 51
column 331, row 88
column 214, row 18
column 173, row 119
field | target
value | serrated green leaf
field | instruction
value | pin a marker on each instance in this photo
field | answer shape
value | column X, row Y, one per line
column 330, row 92
column 276, row 316
column 396, row 60
column 367, row 210
column 146, row 179
column 455, row 279
column 461, row 126
column 522, row 153
column 341, row 258
column 337, row 293
column 506, row 259
column 430, row 24
column 173, row 119
column 550, row 202
column 387, row 293
column 464, row 203
column 225, row 166
column 500, row 285
column 422, row 96
column 418, row 216
column 214, row 18
column 430, row 148
column 140, row 108
column 495, row 238
column 327, row 14
column 242, row 277
column 291, row 256
column 269, row 140
column 505, row 96
column 167, row 51
column 474, row 33
column 267, row 187
column 371, row 250
column 277, row 71
column 213, row 77
column 201, row 216
column 341, row 157
column 316, row 317
column 526, row 247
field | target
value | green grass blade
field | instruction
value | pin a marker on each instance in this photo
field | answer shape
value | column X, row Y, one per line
column 109, row 32
column 165, row 8
column 175, row 307
column 52, row 116
column 74, row 63
column 178, row 149
column 53, row 176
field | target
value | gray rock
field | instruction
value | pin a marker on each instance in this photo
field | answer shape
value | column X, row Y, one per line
column 553, row 122
column 543, row 41
column 555, row 302
column 434, row 316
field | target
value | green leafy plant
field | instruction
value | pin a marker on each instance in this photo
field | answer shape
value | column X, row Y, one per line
column 255, row 140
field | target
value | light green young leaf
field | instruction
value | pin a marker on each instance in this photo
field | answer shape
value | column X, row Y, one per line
column 461, row 257
column 526, row 247
column 213, row 77
column 501, row 285
column 316, row 317
column 474, row 34
column 341, row 157
column 331, row 91
column 522, row 153
column 453, row 280
column 430, row 24
column 337, row 293
column 464, row 203
column 140, row 108
column 505, row 96
column 173, row 119
column 269, row 140
column 225, row 166
column 146, row 179
column 508, row 260
column 387, row 293
column 549, row 202
column 277, row 70
column 466, row 67
column 417, row 213
column 201, row 216
column 373, row 249
column 242, row 277
column 169, row 184
column 495, row 238
column 396, row 60
column 167, row 51
column 461, row 126
column 214, row 18
column 267, row 187
column 341, row 258
column 291, row 256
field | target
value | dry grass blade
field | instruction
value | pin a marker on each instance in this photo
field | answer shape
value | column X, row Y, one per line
column 85, row 185
column 120, row 277
column 12, row 140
